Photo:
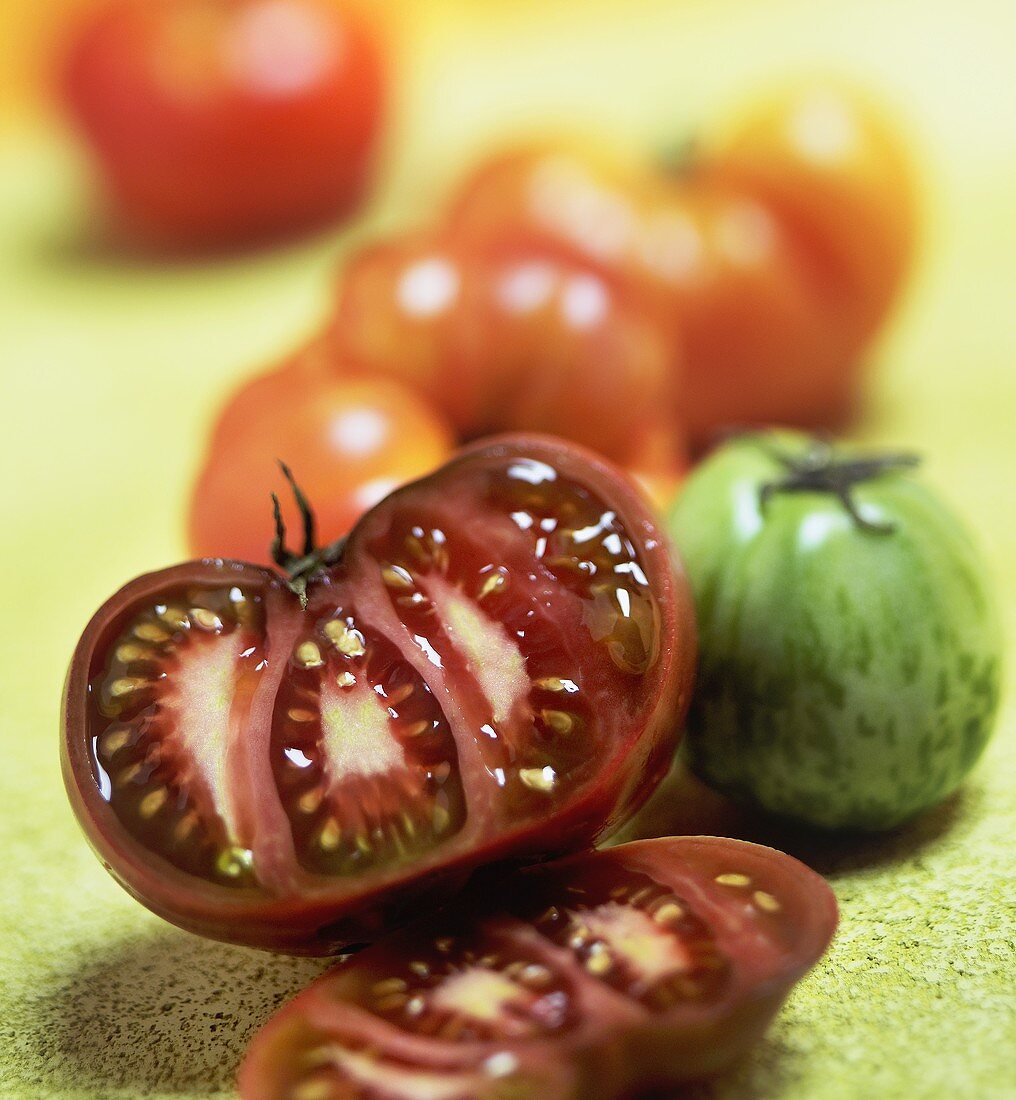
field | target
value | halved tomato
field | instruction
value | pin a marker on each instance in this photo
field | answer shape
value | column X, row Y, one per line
column 605, row 974
column 495, row 665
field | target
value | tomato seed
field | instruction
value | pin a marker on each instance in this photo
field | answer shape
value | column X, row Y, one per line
column 150, row 632
column 766, row 901
column 400, row 695
column 345, row 640
column 308, row 655
column 330, row 835
column 668, row 913
column 389, row 985
column 115, row 738
column 733, row 879
column 395, row 576
column 125, row 685
column 206, row 619
column 538, row 779
column 174, row 617
column 494, row 583
column 560, row 721
column 152, row 802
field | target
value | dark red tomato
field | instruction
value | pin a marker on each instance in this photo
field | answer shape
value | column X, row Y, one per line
column 514, row 339
column 495, row 667
column 608, row 973
column 219, row 121
column 349, row 441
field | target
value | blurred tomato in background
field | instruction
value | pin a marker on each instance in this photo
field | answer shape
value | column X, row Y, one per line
column 217, row 122
column 771, row 255
column 545, row 271
column 829, row 250
column 510, row 337
column 348, row 441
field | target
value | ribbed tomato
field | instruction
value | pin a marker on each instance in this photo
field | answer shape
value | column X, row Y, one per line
column 609, row 973
column 494, row 665
column 771, row 254
column 512, row 338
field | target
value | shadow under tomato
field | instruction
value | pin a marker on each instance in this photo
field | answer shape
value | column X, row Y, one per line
column 166, row 1012
column 172, row 1013
column 684, row 806
column 765, row 1073
column 100, row 244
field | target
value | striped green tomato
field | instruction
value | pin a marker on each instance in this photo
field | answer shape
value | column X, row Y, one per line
column 850, row 648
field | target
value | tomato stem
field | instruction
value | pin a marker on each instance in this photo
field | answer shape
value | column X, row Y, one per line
column 300, row 568
column 680, row 158
column 818, row 469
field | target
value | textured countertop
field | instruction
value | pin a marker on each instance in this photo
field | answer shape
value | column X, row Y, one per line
column 111, row 366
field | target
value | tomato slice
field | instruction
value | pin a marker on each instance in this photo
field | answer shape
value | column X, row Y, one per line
column 496, row 667
column 647, row 965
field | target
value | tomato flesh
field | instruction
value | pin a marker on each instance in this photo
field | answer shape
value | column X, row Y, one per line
column 177, row 681
column 495, row 667
column 651, row 964
column 363, row 757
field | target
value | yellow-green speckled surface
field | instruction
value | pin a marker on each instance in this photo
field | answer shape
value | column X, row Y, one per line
column 111, row 365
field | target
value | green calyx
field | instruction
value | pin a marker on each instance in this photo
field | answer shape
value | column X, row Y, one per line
column 818, row 469
column 300, row 569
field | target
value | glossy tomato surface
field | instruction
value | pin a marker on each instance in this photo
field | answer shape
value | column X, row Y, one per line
column 644, row 966
column 222, row 121
column 496, row 667
column 349, row 442
column 849, row 673
column 833, row 166
column 514, row 338
column 770, row 255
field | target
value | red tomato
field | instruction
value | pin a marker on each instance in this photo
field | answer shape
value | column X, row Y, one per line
column 219, row 121
column 761, row 323
column 606, row 974
column 511, row 339
column 494, row 666
column 771, row 259
column 349, row 442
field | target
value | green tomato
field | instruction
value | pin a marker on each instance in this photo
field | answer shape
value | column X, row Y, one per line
column 850, row 651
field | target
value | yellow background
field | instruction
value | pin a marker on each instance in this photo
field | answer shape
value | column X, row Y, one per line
column 112, row 365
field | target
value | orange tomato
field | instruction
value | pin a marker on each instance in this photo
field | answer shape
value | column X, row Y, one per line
column 770, row 261
column 824, row 157
column 348, row 440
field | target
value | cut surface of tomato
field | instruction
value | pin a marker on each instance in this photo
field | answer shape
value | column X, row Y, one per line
column 610, row 972
column 494, row 667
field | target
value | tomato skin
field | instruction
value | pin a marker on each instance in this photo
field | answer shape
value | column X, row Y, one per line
column 611, row 1043
column 849, row 679
column 510, row 338
column 770, row 262
column 349, row 441
column 286, row 904
column 829, row 162
column 227, row 122
column 761, row 324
